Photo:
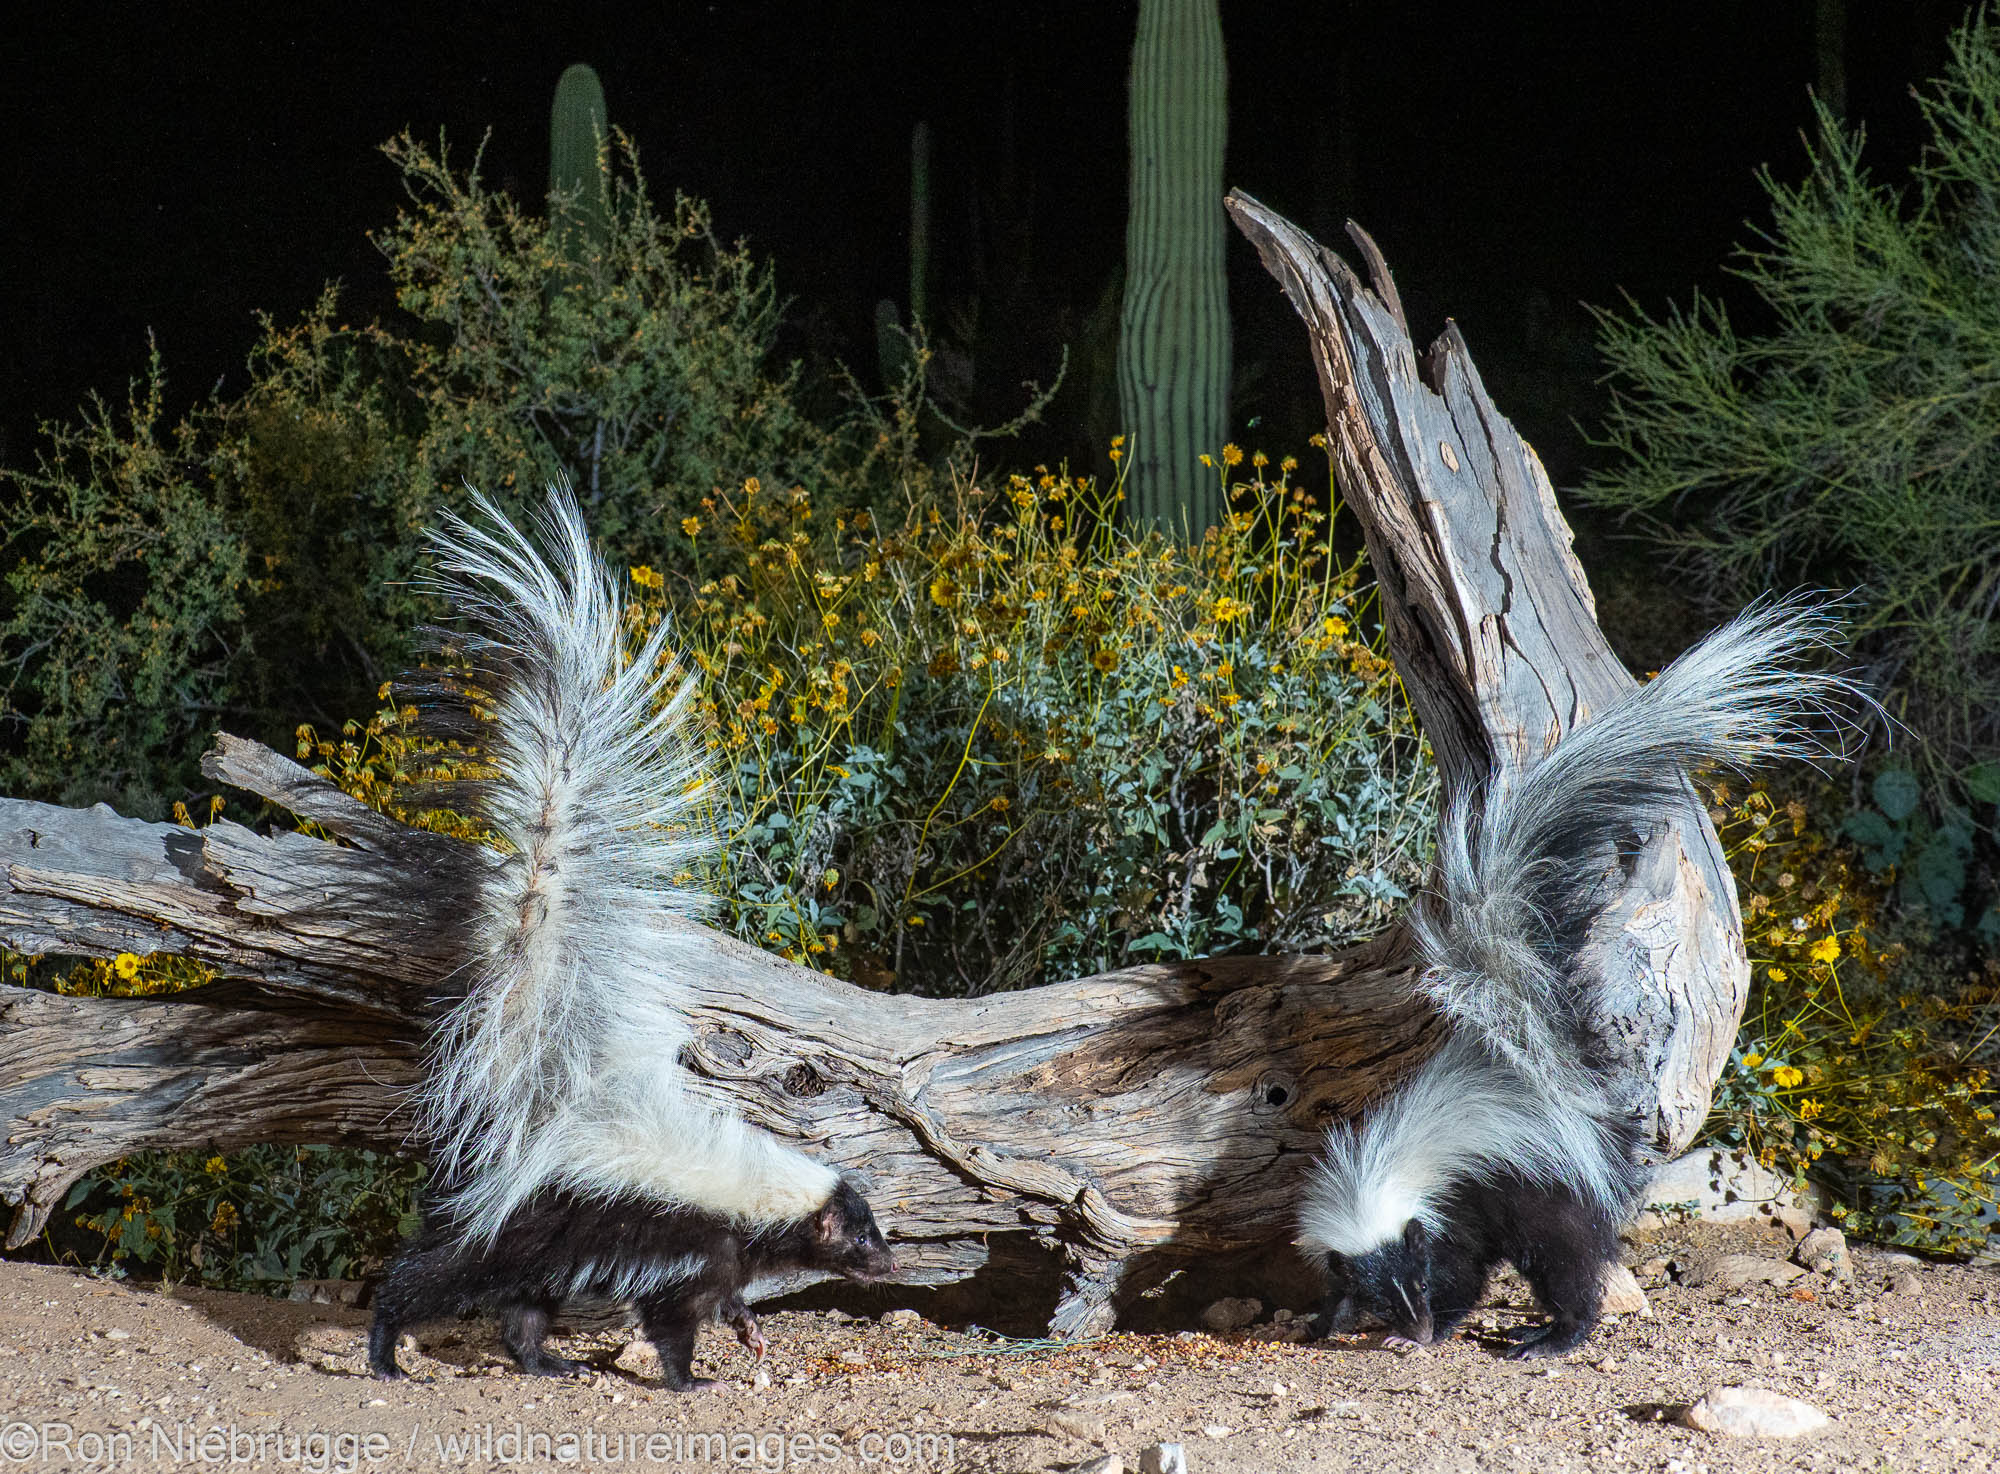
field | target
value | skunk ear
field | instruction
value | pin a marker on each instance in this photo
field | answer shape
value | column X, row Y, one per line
column 1413, row 1235
column 829, row 1222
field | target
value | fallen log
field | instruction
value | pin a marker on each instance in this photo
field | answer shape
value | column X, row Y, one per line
column 1128, row 1123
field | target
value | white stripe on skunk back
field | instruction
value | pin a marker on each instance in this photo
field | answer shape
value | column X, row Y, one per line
column 1521, row 868
column 561, row 1066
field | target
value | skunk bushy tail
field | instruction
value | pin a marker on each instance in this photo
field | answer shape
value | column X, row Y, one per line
column 560, row 1068
column 1520, row 873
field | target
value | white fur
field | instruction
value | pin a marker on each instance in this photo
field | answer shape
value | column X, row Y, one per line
column 561, row 1066
column 1516, row 864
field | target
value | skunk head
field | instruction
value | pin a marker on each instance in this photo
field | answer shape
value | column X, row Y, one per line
column 842, row 1237
column 1390, row 1284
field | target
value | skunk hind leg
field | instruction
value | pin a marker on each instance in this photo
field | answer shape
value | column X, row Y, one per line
column 427, row 1281
column 524, row 1328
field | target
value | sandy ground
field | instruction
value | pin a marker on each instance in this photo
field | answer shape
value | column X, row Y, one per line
column 1905, row 1360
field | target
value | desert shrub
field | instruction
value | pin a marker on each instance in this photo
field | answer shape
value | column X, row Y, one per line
column 1856, row 442
column 126, row 587
column 636, row 366
column 247, row 563
column 1861, row 1064
column 1000, row 740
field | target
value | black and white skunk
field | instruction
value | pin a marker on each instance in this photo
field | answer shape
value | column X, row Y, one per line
column 571, row 1157
column 1504, row 1144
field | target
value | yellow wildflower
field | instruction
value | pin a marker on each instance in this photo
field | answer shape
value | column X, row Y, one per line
column 1227, row 609
column 215, row 1166
column 1232, row 455
column 691, row 525
column 1826, row 949
column 1787, row 1076
column 126, row 965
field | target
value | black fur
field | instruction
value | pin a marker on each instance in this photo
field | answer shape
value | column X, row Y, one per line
column 532, row 1269
column 1423, row 1285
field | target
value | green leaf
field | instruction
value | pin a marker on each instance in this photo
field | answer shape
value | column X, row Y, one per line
column 1866, row 827
column 1897, row 793
column 1982, row 781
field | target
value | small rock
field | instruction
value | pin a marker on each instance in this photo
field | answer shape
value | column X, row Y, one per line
column 1080, row 1426
column 1793, row 1220
column 761, row 1381
column 1902, row 1261
column 853, row 1356
column 1905, row 1282
column 1163, row 1458
column 117, row 1333
column 639, row 1358
column 1824, row 1251
column 1104, row 1464
column 1231, row 1315
column 903, row 1317
column 1622, row 1295
column 1734, row 1271
column 1652, row 1269
column 1000, row 1384
column 1753, row 1412
column 1216, row 1430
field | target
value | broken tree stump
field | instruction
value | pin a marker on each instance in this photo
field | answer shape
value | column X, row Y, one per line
column 1128, row 1122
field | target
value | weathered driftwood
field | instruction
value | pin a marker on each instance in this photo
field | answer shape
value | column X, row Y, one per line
column 1126, row 1122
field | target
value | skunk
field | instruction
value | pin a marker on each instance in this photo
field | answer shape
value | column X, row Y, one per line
column 1505, row 1144
column 571, row 1156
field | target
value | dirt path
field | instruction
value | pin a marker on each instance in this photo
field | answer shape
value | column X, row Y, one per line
column 1906, row 1362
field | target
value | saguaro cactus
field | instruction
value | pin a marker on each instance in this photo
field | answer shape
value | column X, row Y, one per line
column 576, row 127
column 1173, row 354
column 892, row 345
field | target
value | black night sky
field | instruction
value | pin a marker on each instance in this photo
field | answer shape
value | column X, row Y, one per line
column 176, row 168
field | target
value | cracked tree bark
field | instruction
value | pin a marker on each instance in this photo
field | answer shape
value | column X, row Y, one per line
column 1130, row 1123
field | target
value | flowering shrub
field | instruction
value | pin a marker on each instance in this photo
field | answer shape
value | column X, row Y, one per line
column 1003, row 740
column 1852, row 1065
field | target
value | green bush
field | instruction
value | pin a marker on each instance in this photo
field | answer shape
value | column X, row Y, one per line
column 259, row 1219
column 1856, row 443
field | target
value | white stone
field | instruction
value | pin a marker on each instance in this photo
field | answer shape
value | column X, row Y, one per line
column 1622, row 1295
column 1753, row 1412
column 639, row 1358
column 1724, row 1186
column 1105, row 1464
column 1163, row 1458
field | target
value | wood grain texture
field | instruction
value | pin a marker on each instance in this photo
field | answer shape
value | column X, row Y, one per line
column 1127, row 1124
